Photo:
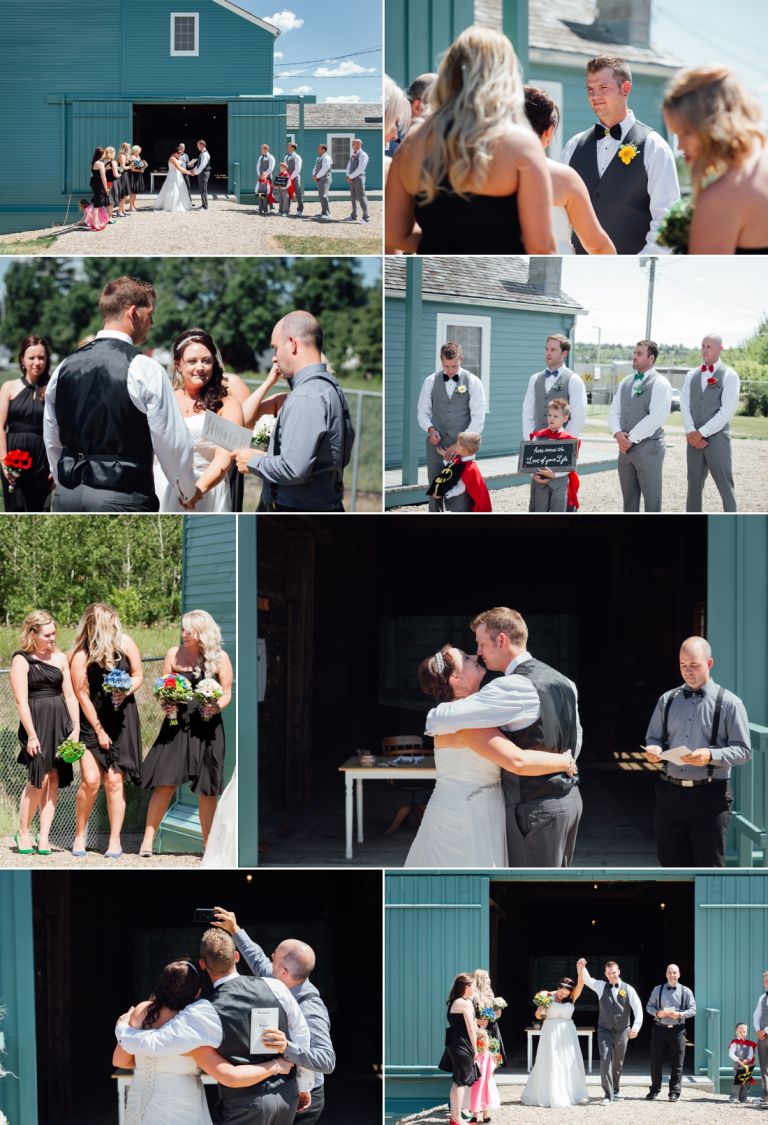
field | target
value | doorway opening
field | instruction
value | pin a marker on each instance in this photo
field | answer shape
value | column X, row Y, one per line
column 159, row 129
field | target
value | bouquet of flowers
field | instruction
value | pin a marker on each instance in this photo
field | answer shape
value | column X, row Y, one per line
column 116, row 682
column 487, row 1014
column 173, row 689
column 542, row 1000
column 263, row 431
column 499, row 1004
column 207, row 691
column 493, row 1047
column 16, row 461
column 675, row 228
column 482, row 1042
column 70, row 750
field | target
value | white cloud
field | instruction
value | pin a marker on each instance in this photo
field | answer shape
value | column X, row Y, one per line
column 341, row 99
column 277, row 90
column 303, row 90
column 285, row 20
column 343, row 70
column 290, row 74
column 278, row 55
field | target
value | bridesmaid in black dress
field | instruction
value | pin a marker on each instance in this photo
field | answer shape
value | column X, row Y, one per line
column 460, row 1042
column 192, row 750
column 48, row 714
column 109, row 722
column 112, row 174
column 21, row 427
column 99, row 182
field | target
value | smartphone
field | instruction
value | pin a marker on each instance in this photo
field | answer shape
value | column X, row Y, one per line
column 204, row 915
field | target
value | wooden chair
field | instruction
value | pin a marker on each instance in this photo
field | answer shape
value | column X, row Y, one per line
column 392, row 747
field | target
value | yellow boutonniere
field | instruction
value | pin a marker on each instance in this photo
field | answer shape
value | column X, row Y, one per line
column 622, row 993
column 627, row 153
column 461, row 389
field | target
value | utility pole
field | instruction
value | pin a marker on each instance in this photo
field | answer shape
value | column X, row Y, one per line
column 651, row 263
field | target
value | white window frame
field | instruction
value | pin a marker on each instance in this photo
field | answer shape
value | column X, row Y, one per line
column 291, row 139
column 555, row 91
column 196, row 50
column 443, row 319
column 329, row 139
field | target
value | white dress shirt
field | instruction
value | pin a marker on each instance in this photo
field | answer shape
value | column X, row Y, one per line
column 199, row 1025
column 297, row 164
column 149, row 389
column 661, row 403
column 361, row 165
column 577, row 401
column 659, row 160
column 756, row 1015
column 508, row 702
column 634, row 1000
column 203, row 160
column 729, row 402
column 476, row 400
column 323, row 166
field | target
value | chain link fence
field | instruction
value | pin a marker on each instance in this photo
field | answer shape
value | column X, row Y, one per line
column 13, row 776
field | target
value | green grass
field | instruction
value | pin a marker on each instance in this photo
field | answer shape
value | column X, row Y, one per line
column 334, row 246
column 152, row 640
column 37, row 245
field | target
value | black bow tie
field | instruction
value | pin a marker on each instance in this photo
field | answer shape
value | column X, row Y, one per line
column 601, row 131
column 689, row 691
column 615, row 985
column 449, row 377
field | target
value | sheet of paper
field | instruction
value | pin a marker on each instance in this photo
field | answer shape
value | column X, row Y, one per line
column 674, row 755
column 261, row 1019
column 226, row 434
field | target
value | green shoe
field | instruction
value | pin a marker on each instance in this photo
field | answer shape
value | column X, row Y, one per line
column 22, row 851
column 41, row 851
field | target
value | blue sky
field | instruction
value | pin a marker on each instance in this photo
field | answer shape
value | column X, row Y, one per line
column 315, row 37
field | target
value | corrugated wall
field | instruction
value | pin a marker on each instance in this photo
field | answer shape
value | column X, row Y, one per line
column 92, row 123
column 253, row 123
column 417, row 32
column 18, row 1094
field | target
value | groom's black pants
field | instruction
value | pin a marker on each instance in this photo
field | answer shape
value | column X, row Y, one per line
column 667, row 1043
column 612, row 1047
column 274, row 1108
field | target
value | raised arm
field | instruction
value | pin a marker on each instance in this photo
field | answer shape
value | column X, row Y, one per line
column 252, row 406
column 492, row 745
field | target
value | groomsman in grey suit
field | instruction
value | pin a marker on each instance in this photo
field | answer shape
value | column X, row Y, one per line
column 322, row 176
column 555, row 381
column 202, row 167
column 294, row 162
column 356, row 166
column 619, row 1005
column 636, row 418
column 292, row 962
column 451, row 400
column 708, row 401
column 760, row 1024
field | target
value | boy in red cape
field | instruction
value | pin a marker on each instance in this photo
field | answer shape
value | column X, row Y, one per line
column 552, row 491
column 462, row 474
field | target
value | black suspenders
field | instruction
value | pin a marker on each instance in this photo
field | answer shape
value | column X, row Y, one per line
column 715, row 725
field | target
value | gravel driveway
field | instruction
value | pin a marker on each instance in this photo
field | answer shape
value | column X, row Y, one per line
column 61, row 857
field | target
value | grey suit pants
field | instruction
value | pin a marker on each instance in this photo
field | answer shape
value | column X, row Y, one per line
column 550, row 497
column 542, row 832
column 715, row 459
column 298, row 196
column 357, row 194
column 460, row 503
column 277, row 1107
column 202, row 183
column 762, row 1057
column 83, row 498
column 611, row 1047
column 640, row 476
column 323, row 187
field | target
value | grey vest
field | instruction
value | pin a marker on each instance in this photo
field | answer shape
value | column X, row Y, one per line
column 354, row 160
column 620, row 196
column 263, row 165
column 450, row 416
column 554, row 730
column 706, row 403
column 615, row 1010
column 233, row 1001
column 762, row 1005
column 290, row 160
column 542, row 398
column 636, row 407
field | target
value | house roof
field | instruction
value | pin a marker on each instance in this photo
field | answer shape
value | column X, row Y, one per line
column 568, row 27
column 332, row 115
column 238, row 11
column 498, row 281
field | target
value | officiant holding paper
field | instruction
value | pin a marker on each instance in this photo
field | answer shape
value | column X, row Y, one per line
column 693, row 792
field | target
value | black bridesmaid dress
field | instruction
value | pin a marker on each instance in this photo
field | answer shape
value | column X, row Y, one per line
column 458, row 1056
column 52, row 722
column 99, row 197
column 122, row 726
column 192, row 751
column 31, row 491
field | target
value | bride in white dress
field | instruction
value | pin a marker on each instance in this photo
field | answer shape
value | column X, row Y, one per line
column 201, row 386
column 558, row 1078
column 465, row 821
column 167, row 1090
column 174, row 194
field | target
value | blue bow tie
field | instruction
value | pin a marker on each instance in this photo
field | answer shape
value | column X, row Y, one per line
column 552, row 374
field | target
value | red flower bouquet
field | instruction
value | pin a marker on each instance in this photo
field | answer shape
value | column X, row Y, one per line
column 16, row 462
column 172, row 690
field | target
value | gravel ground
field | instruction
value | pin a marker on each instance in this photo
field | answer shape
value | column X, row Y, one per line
column 225, row 228
column 600, row 492
column 61, row 857
column 693, row 1108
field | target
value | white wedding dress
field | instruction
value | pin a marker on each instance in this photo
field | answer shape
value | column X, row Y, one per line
column 465, row 824
column 557, row 1078
column 218, row 499
column 221, row 850
column 174, row 194
column 166, row 1091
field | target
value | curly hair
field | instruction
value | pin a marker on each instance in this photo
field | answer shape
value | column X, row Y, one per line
column 540, row 110
column 727, row 120
column 99, row 635
column 208, row 635
column 477, row 95
column 31, row 342
column 32, row 625
column 178, row 986
column 213, row 394
column 434, row 679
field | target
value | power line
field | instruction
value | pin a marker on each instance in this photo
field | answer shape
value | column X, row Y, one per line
column 331, row 58
column 716, row 43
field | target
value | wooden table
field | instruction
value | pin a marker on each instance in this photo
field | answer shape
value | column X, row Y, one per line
column 124, row 1079
column 586, row 1032
column 382, row 771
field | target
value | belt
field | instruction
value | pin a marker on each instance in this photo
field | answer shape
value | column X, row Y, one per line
column 687, row 783
column 670, row 1026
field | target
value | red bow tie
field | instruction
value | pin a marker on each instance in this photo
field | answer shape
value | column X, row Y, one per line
column 707, row 367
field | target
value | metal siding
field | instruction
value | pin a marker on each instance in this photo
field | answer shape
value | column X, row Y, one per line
column 88, row 124
column 394, row 364
column 252, row 124
column 418, row 32
column 248, row 740
column 372, row 144
column 18, row 1095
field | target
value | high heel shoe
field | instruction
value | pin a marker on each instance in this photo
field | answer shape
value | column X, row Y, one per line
column 22, row 851
column 41, row 851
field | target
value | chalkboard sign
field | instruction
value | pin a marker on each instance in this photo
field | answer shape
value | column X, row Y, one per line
column 560, row 456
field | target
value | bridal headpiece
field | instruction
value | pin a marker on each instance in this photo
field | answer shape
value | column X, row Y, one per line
column 439, row 663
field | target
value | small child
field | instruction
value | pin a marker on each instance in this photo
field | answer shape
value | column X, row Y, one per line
column 94, row 218
column 741, row 1052
column 264, row 191
column 551, row 491
column 484, row 1093
column 461, row 474
column 283, row 185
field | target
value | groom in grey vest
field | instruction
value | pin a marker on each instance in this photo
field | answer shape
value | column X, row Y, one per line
column 635, row 418
column 760, row 1024
column 619, row 1005
column 451, row 401
column 708, row 401
column 628, row 168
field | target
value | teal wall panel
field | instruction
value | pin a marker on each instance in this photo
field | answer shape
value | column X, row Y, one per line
column 372, row 144
column 253, row 123
column 417, row 32
column 247, row 749
column 18, row 1096
column 90, row 124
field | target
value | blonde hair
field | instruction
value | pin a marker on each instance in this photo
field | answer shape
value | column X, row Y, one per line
column 728, row 121
column 208, row 635
column 109, row 152
column 397, row 108
column 125, row 149
column 469, row 441
column 99, row 635
column 483, row 989
column 502, row 619
column 31, row 626
column 477, row 95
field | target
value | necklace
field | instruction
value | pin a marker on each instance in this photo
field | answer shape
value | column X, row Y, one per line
column 188, row 404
